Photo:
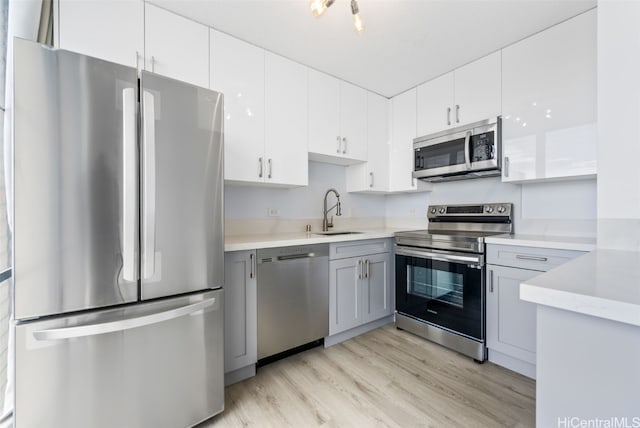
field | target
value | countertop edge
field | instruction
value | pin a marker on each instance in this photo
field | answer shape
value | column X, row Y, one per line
column 552, row 242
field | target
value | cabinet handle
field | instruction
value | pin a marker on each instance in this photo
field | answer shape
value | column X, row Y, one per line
column 371, row 175
column 259, row 167
column 491, row 281
column 338, row 144
column 532, row 258
column 270, row 162
column 251, row 262
column 457, row 113
column 153, row 64
column 506, row 166
column 448, row 115
column 344, row 140
column 359, row 269
column 137, row 62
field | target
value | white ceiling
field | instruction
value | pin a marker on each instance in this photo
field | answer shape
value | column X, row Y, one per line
column 405, row 42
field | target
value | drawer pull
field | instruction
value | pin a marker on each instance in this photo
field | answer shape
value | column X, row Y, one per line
column 532, row 258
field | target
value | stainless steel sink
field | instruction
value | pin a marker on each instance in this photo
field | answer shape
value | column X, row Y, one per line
column 336, row 232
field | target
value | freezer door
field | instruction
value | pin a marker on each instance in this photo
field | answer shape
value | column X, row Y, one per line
column 151, row 365
column 76, row 180
column 182, row 237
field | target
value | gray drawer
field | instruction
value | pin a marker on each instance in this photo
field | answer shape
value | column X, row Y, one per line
column 343, row 250
column 540, row 259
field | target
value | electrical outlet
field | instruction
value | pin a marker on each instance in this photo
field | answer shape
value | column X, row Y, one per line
column 412, row 212
column 273, row 212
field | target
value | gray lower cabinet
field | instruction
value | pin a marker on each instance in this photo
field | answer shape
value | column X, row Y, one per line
column 240, row 315
column 360, row 290
column 511, row 322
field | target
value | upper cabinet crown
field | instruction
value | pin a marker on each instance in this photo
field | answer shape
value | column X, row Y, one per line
column 337, row 120
column 468, row 94
column 549, row 88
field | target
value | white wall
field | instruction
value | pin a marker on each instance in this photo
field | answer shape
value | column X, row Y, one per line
column 618, row 124
column 252, row 202
column 565, row 208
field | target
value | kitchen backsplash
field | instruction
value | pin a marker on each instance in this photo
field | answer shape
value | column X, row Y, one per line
column 563, row 208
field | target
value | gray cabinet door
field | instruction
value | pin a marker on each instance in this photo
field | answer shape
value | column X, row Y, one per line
column 511, row 322
column 240, row 314
column 376, row 287
column 181, row 228
column 345, row 301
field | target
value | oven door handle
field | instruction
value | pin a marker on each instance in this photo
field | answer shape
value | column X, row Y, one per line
column 474, row 260
column 467, row 155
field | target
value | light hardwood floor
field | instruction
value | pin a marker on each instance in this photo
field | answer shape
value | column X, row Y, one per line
column 386, row 377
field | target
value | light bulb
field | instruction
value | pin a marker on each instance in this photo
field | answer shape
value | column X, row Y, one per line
column 318, row 7
column 357, row 21
column 358, row 24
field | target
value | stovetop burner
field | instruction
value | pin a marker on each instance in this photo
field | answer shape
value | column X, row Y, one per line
column 460, row 227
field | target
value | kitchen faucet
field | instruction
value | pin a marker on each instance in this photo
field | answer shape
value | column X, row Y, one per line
column 326, row 224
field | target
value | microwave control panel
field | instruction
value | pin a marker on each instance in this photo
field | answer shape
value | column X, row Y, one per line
column 482, row 147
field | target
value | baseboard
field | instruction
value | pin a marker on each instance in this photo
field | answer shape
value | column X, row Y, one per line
column 514, row 364
column 357, row 331
column 239, row 375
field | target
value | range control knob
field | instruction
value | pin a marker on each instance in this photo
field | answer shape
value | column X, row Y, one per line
column 433, row 210
column 441, row 210
column 501, row 209
column 489, row 210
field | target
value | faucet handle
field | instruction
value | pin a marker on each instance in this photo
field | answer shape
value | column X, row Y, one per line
column 330, row 222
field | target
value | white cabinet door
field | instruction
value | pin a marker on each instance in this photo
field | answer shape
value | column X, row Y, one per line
column 240, row 312
column 511, row 322
column 106, row 29
column 373, row 176
column 175, row 47
column 403, row 131
column 286, row 151
column 376, row 287
column 477, row 90
column 324, row 114
column 345, row 311
column 353, row 121
column 237, row 70
column 549, row 103
column 435, row 103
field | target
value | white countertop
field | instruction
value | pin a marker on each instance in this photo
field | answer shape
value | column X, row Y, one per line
column 544, row 241
column 252, row 242
column 603, row 283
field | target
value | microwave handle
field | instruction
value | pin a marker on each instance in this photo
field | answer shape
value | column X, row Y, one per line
column 467, row 156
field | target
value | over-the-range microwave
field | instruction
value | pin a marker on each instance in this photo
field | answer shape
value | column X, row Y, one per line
column 468, row 151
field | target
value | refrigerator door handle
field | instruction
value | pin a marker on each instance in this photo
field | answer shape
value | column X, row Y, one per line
column 129, row 202
column 120, row 325
column 148, row 186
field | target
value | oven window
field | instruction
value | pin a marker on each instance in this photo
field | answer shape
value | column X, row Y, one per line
column 433, row 284
column 443, row 293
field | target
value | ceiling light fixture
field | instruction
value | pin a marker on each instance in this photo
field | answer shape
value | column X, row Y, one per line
column 319, row 7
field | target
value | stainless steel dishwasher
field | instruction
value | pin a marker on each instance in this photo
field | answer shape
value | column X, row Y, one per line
column 293, row 297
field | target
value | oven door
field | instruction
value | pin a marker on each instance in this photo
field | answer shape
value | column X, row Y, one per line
column 442, row 288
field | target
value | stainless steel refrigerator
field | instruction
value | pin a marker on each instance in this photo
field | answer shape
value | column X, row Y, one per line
column 118, row 245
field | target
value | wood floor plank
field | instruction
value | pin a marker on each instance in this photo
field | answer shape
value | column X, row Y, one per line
column 385, row 378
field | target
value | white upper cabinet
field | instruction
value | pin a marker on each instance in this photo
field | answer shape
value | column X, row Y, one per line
column 237, row 70
column 549, row 103
column 286, row 121
column 106, row 29
column 468, row 94
column 175, row 47
column 373, row 175
column 435, row 105
column 401, row 154
column 337, row 120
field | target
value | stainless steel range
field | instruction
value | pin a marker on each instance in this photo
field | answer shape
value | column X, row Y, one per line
column 440, row 275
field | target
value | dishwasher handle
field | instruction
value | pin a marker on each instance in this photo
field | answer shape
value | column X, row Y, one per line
column 297, row 256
